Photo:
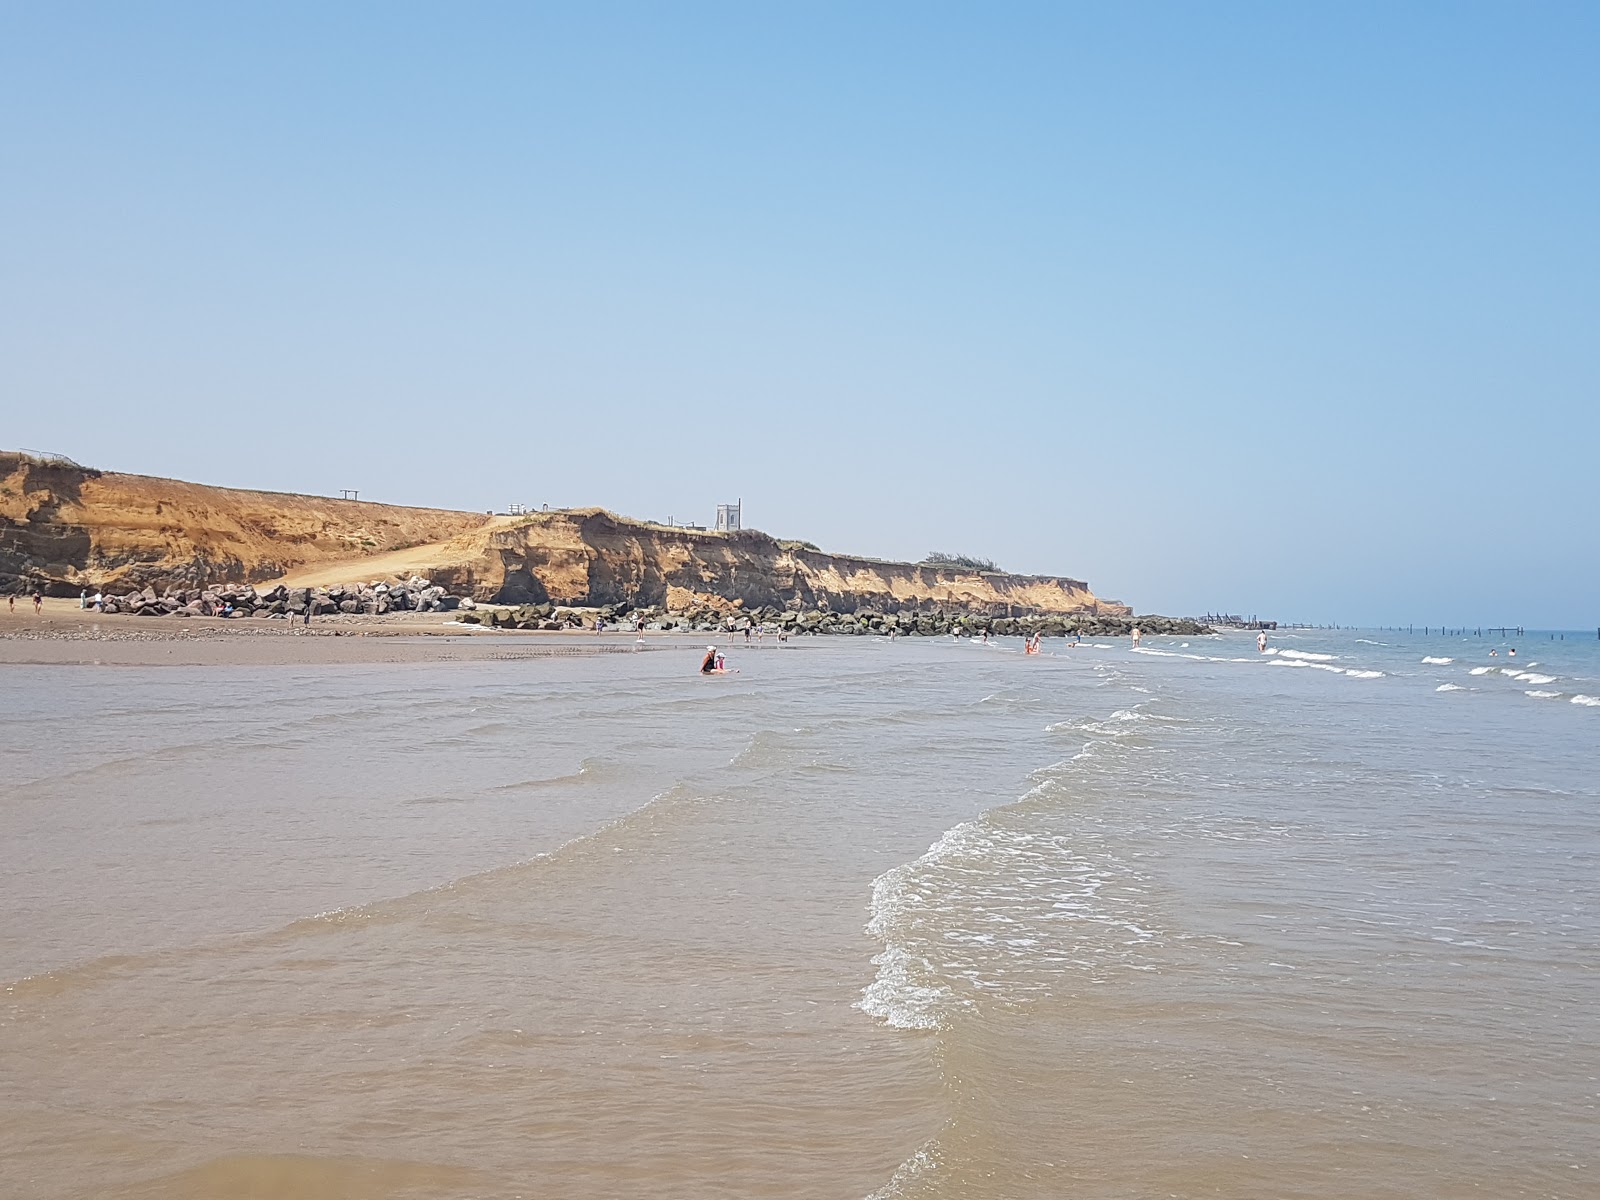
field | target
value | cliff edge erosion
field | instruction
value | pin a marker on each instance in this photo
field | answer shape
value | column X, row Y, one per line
column 65, row 527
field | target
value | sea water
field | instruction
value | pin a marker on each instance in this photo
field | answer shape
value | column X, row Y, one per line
column 920, row 918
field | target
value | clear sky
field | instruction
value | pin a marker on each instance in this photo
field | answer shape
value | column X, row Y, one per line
column 1286, row 309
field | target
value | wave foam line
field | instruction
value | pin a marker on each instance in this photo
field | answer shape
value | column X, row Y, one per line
column 915, row 1168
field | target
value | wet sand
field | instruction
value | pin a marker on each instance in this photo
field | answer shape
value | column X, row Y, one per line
column 65, row 635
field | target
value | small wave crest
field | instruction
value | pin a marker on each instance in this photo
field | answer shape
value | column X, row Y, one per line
column 908, row 1173
column 1538, row 695
column 999, row 908
column 1587, row 701
column 1317, row 666
column 1450, row 687
column 1438, row 662
column 590, row 770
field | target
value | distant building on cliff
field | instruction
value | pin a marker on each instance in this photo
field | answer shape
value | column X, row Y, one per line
column 729, row 516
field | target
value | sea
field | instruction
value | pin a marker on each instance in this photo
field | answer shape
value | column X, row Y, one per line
column 907, row 919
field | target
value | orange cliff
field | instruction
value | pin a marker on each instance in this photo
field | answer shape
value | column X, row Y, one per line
column 65, row 527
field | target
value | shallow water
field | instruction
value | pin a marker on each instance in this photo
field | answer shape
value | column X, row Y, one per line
column 911, row 919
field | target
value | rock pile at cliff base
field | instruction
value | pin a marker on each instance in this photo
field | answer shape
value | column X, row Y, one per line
column 710, row 619
column 414, row 595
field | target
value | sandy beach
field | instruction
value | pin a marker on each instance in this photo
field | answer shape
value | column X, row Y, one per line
column 65, row 635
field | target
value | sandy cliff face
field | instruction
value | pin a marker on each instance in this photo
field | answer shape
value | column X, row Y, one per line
column 67, row 528
column 594, row 557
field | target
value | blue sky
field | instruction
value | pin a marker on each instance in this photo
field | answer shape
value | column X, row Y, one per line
column 1281, row 309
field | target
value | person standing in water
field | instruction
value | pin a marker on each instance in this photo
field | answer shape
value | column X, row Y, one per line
column 1261, row 641
column 1136, row 636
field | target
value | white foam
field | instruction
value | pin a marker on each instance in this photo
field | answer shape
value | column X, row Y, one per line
column 1449, row 687
column 1303, row 654
column 1538, row 695
column 1438, row 662
column 898, row 1002
column 919, row 1164
column 1530, row 677
column 998, row 907
column 1587, row 701
column 1480, row 670
column 1354, row 674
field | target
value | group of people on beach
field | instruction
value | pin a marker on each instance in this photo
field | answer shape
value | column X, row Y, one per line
column 38, row 602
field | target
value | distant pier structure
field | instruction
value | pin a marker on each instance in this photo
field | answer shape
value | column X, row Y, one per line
column 730, row 517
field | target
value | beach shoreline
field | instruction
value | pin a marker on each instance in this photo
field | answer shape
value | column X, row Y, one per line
column 66, row 635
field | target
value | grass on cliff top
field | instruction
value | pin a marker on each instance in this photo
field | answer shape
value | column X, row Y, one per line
column 967, row 562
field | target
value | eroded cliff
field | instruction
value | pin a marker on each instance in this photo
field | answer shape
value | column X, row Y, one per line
column 594, row 557
column 64, row 527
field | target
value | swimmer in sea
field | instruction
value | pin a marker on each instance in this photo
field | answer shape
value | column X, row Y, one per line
column 1494, row 654
column 708, row 664
column 1261, row 641
column 1512, row 652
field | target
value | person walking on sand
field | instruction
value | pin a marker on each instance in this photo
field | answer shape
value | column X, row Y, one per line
column 1261, row 641
column 11, row 601
column 38, row 602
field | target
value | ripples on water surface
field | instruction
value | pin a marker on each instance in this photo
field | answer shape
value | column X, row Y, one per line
column 904, row 920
